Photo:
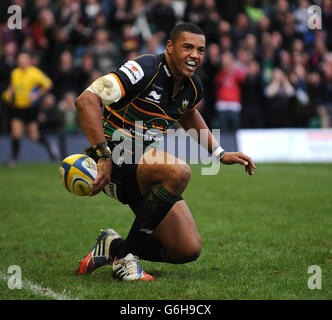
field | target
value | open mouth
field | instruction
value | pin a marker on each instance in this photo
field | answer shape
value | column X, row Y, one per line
column 191, row 65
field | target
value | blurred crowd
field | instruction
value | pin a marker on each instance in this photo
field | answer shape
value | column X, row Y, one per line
column 263, row 68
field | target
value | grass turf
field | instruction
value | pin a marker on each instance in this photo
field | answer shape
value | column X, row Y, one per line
column 259, row 235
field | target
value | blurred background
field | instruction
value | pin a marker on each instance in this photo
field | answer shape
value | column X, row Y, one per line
column 267, row 73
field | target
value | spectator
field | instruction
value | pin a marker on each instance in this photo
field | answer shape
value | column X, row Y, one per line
column 7, row 65
column 228, row 93
column 278, row 94
column 252, row 97
column 301, row 17
column 42, row 28
column 318, row 52
column 225, row 43
column 68, row 120
column 139, row 11
column 60, row 43
column 194, row 12
column 327, row 21
column 224, row 27
column 241, row 28
column 104, row 52
column 211, row 21
column 325, row 107
column 208, row 72
column 162, row 16
column 278, row 15
column 86, row 69
column 314, row 83
column 120, row 16
column 130, row 40
column 66, row 78
column 91, row 10
column 154, row 45
column 268, row 63
column 66, row 12
column 288, row 32
column 300, row 104
column 48, row 116
column 264, row 25
column 249, row 44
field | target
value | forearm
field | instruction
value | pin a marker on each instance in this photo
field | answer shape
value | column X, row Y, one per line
column 90, row 117
column 203, row 135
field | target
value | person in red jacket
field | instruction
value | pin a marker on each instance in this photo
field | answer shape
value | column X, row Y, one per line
column 228, row 92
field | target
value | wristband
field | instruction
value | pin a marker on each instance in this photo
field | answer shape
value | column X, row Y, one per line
column 102, row 151
column 218, row 152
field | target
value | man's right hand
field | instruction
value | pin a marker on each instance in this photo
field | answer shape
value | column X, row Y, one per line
column 104, row 168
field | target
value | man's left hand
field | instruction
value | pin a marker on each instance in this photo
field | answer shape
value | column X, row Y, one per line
column 239, row 157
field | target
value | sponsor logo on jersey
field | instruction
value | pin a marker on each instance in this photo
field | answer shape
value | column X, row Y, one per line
column 156, row 126
column 153, row 96
column 133, row 71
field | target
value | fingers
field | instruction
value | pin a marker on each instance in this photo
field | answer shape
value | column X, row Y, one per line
column 247, row 162
column 249, row 169
column 103, row 177
column 98, row 185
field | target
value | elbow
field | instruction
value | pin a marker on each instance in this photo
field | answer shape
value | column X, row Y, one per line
column 78, row 103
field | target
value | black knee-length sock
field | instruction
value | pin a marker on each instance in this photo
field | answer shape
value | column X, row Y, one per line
column 16, row 142
column 150, row 213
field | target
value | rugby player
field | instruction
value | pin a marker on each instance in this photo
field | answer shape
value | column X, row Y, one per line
column 156, row 90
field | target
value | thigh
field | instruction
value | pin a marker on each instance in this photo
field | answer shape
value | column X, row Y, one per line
column 178, row 232
column 157, row 166
column 16, row 127
column 32, row 130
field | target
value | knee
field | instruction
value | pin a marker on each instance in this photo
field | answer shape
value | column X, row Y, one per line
column 179, row 174
column 191, row 253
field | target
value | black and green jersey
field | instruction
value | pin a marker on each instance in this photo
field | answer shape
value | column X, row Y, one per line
column 147, row 107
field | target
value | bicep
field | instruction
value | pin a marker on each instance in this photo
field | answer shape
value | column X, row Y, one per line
column 107, row 88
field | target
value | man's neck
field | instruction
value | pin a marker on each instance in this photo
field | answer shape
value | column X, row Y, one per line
column 176, row 77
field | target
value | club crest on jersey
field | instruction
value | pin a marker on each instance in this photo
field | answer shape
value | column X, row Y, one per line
column 184, row 106
column 133, row 71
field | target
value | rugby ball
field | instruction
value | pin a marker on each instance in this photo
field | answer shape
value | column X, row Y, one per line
column 77, row 173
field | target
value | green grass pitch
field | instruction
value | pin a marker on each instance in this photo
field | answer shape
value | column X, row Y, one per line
column 260, row 234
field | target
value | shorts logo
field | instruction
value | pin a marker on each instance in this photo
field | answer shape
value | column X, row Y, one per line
column 133, row 71
column 110, row 190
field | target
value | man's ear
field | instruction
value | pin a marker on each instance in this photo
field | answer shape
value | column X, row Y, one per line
column 169, row 46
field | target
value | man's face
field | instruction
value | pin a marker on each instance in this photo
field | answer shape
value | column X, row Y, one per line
column 23, row 60
column 186, row 54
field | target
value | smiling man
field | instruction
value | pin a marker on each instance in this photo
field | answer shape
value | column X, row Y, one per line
column 148, row 93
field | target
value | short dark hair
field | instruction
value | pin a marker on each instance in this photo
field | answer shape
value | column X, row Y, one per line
column 185, row 27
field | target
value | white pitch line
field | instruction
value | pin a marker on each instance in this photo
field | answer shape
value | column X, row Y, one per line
column 38, row 290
